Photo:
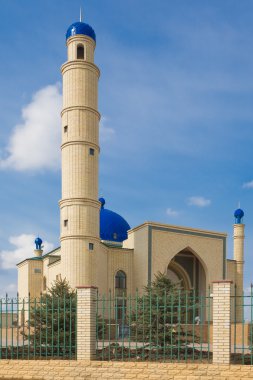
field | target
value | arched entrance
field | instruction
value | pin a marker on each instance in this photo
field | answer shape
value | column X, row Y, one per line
column 186, row 270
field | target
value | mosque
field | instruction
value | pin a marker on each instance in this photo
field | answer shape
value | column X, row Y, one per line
column 97, row 245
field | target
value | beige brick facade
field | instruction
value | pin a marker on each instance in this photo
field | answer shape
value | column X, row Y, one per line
column 156, row 246
column 30, row 278
column 82, row 370
column 86, row 323
column 149, row 249
column 221, row 322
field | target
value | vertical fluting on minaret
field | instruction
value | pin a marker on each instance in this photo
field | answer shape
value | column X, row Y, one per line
column 239, row 258
column 79, row 206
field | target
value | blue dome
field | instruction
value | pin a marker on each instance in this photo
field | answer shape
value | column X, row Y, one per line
column 238, row 214
column 112, row 226
column 80, row 28
column 38, row 242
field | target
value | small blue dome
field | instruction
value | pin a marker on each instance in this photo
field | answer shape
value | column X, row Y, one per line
column 38, row 242
column 112, row 226
column 238, row 214
column 80, row 28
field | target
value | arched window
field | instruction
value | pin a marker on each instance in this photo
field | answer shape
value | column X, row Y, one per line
column 80, row 52
column 120, row 293
column 120, row 280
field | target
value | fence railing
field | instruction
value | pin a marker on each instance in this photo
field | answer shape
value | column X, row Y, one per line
column 242, row 328
column 166, row 327
column 38, row 328
column 157, row 326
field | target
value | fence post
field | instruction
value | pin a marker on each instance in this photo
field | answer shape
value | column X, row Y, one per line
column 86, row 322
column 221, row 321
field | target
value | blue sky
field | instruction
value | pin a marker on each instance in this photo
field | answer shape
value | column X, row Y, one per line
column 176, row 98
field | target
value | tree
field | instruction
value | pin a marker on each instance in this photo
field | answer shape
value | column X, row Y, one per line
column 161, row 314
column 51, row 326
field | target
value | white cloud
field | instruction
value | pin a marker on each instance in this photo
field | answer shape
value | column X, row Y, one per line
column 198, row 201
column 23, row 249
column 35, row 142
column 248, row 185
column 106, row 133
column 10, row 289
column 171, row 212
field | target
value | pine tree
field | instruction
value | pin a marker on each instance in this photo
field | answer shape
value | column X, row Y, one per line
column 51, row 326
column 161, row 314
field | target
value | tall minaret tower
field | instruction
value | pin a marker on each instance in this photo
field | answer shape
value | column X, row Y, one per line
column 239, row 258
column 79, row 206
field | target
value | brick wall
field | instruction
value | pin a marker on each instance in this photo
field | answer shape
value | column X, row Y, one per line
column 221, row 322
column 81, row 370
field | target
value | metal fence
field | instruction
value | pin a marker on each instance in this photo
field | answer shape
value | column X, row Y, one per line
column 156, row 327
column 38, row 328
column 242, row 328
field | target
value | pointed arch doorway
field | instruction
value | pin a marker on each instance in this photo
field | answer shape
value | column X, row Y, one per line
column 186, row 270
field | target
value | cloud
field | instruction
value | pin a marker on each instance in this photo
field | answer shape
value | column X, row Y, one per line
column 171, row 212
column 23, row 249
column 106, row 133
column 10, row 289
column 248, row 185
column 198, row 201
column 35, row 142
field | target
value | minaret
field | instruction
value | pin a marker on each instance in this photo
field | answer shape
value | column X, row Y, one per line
column 239, row 258
column 79, row 206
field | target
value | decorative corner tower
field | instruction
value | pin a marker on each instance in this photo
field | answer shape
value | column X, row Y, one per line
column 38, row 244
column 79, row 206
column 239, row 257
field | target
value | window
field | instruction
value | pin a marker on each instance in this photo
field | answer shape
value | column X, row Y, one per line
column 37, row 270
column 120, row 280
column 92, row 151
column 58, row 277
column 115, row 236
column 44, row 283
column 65, row 129
column 120, row 293
column 80, row 52
column 65, row 223
column 91, row 246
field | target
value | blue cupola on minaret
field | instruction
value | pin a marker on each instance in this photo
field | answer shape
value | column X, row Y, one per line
column 80, row 28
column 238, row 214
column 38, row 243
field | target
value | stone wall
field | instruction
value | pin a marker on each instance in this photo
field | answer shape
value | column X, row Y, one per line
column 81, row 370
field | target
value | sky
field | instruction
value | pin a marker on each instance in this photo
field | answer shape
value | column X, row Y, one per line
column 176, row 99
